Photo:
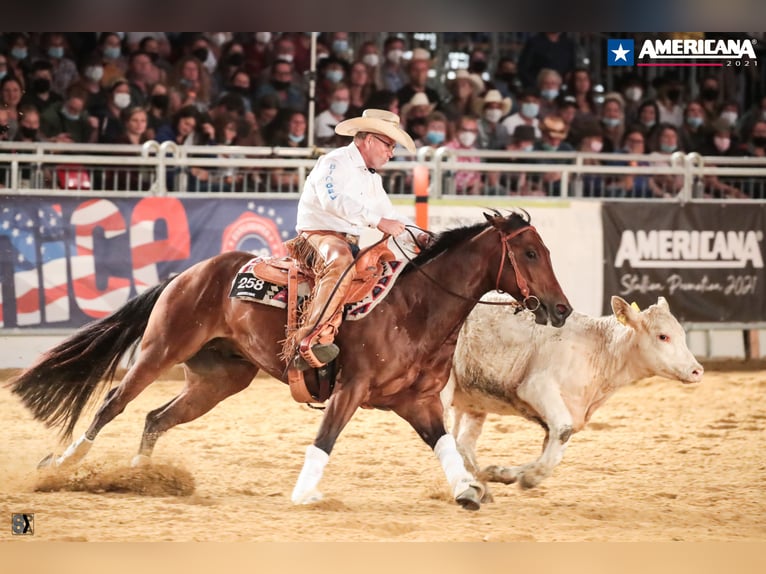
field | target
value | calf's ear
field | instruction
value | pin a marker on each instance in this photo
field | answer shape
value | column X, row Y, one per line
column 662, row 302
column 625, row 313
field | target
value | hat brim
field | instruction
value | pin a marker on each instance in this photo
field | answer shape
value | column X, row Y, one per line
column 479, row 106
column 353, row 126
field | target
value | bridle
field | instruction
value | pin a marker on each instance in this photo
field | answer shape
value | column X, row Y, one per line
column 530, row 302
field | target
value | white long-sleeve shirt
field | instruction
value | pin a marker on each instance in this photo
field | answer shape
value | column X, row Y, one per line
column 341, row 194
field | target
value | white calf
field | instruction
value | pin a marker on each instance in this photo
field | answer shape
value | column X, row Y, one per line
column 505, row 363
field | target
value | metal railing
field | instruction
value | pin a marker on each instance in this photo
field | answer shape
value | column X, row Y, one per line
column 168, row 168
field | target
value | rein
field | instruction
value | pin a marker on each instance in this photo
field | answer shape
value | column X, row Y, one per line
column 532, row 303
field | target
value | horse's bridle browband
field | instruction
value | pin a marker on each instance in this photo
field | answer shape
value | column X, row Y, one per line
column 530, row 302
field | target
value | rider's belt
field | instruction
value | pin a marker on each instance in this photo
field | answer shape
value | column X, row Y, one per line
column 347, row 237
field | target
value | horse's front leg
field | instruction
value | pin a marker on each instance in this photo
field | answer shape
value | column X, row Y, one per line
column 426, row 416
column 340, row 408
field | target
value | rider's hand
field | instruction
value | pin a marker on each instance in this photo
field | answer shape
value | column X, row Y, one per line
column 391, row 226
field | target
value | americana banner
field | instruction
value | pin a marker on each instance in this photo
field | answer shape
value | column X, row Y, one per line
column 705, row 259
column 66, row 261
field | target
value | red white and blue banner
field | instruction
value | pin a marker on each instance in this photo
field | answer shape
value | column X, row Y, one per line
column 66, row 261
column 707, row 260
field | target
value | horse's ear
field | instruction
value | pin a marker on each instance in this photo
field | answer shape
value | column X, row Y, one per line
column 492, row 218
column 625, row 313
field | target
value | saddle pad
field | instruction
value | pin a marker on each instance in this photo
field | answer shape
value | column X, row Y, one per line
column 251, row 288
column 358, row 310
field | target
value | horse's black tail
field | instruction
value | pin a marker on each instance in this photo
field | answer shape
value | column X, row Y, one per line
column 59, row 385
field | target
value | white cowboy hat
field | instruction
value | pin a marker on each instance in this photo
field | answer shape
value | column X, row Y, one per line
column 475, row 79
column 377, row 122
column 493, row 97
column 417, row 99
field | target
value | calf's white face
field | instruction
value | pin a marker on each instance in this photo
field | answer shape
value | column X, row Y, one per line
column 660, row 340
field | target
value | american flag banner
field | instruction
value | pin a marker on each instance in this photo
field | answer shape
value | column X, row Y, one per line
column 65, row 261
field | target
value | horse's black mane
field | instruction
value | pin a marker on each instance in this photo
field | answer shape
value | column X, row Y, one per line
column 451, row 237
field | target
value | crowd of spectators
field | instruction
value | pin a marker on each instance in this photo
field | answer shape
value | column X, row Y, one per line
column 252, row 89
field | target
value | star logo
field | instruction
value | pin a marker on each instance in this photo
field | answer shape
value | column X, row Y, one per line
column 619, row 52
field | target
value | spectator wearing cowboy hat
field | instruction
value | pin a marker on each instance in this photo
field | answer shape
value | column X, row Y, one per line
column 491, row 109
column 554, row 133
column 342, row 195
column 464, row 90
column 414, row 113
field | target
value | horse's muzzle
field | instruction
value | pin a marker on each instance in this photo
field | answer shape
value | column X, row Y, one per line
column 556, row 313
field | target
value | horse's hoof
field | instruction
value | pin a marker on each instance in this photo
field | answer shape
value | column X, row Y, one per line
column 310, row 497
column 140, row 460
column 502, row 474
column 47, row 462
column 470, row 498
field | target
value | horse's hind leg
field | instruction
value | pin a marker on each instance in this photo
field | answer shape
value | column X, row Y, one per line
column 204, row 389
column 138, row 377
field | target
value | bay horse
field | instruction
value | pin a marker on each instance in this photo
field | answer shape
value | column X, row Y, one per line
column 397, row 358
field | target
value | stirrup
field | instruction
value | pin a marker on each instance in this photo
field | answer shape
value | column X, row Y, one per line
column 316, row 356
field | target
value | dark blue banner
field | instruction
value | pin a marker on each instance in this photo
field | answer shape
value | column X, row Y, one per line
column 66, row 261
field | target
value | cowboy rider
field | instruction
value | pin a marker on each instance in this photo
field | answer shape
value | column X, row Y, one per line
column 342, row 195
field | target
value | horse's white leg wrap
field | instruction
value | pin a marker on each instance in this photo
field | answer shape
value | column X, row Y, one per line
column 452, row 463
column 75, row 452
column 305, row 491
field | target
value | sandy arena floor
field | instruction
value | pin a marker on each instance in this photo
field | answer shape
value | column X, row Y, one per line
column 658, row 462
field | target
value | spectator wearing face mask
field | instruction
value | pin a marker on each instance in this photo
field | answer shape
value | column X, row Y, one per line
column 506, row 78
column 528, row 114
column 612, row 119
column 339, row 46
column 203, row 50
column 63, row 69
column 159, row 112
column 393, row 74
column 634, row 143
column 232, row 60
column 668, row 142
column 670, row 100
column 710, row 97
column 729, row 113
column 592, row 140
column 694, row 130
column 110, row 125
column 370, row 56
column 554, row 135
column 40, row 93
column 331, row 72
column 721, row 142
column 336, row 112
column 466, row 182
column 436, row 131
column 91, row 72
column 756, row 112
column 491, row 109
column 29, row 125
column 549, row 86
column 68, row 121
column 113, row 61
column 414, row 114
column 281, row 87
column 632, row 90
column 755, row 145
column 19, row 57
column 258, row 48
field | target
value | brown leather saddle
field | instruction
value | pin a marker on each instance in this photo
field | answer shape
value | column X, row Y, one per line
column 317, row 384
